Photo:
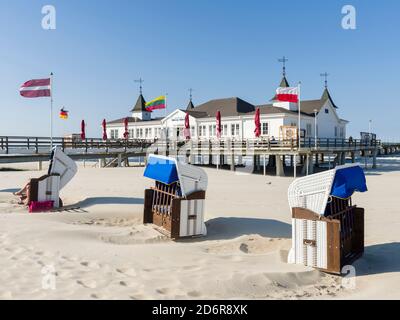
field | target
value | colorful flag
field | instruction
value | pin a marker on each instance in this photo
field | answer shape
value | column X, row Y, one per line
column 104, row 125
column 257, row 122
column 83, row 130
column 126, row 123
column 187, row 127
column 219, row 126
column 36, row 88
column 158, row 103
column 64, row 114
column 290, row 94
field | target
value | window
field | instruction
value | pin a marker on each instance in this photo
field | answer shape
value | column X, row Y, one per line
column 341, row 132
column 235, row 129
column 264, row 128
column 114, row 133
column 202, row 131
column 139, row 133
column 336, row 131
column 212, row 130
column 131, row 133
column 308, row 130
column 326, row 110
column 224, row 130
column 179, row 132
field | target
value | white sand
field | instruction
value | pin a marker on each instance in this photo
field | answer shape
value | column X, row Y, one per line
column 104, row 252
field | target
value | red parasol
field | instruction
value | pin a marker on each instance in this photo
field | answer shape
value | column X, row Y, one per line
column 187, row 127
column 219, row 127
column 83, row 135
column 126, row 133
column 104, row 125
column 257, row 130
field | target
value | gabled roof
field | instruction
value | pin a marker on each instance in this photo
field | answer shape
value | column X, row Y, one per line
column 308, row 106
column 196, row 114
column 190, row 106
column 132, row 119
column 228, row 107
column 270, row 109
column 140, row 105
column 326, row 96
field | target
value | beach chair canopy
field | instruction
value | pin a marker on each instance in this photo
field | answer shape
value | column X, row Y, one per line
column 63, row 165
column 347, row 181
column 313, row 192
column 168, row 170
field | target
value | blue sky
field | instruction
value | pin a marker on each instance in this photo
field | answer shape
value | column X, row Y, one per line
column 220, row 48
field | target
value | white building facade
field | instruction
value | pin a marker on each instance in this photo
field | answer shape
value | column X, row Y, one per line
column 318, row 118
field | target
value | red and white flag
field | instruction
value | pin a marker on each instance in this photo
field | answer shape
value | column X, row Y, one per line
column 290, row 94
column 36, row 88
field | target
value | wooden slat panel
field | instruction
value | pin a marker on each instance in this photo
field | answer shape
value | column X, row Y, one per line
column 148, row 201
column 333, row 240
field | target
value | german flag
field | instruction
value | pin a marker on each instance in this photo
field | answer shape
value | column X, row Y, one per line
column 63, row 114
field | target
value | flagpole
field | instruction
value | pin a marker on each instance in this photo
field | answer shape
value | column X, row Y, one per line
column 165, row 126
column 51, row 111
column 165, row 115
column 166, row 97
column 299, row 121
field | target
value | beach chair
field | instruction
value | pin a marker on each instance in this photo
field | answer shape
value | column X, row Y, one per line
column 47, row 188
column 176, row 202
column 327, row 228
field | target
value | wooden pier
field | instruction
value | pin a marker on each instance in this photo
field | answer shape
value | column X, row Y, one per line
column 277, row 155
column 38, row 149
column 306, row 155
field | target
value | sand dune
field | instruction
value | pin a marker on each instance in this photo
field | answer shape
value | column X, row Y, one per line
column 103, row 251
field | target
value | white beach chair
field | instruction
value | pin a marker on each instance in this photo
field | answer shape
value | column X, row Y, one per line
column 176, row 202
column 327, row 229
column 47, row 188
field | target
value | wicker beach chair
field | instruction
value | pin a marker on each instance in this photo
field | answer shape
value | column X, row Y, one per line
column 327, row 229
column 176, row 202
column 47, row 188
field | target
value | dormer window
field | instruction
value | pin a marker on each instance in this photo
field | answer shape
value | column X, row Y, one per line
column 326, row 110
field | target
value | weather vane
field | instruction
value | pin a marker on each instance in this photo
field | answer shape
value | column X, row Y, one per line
column 191, row 93
column 283, row 61
column 325, row 75
column 140, row 81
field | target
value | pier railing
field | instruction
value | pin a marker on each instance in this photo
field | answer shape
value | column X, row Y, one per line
column 17, row 144
column 38, row 144
column 306, row 144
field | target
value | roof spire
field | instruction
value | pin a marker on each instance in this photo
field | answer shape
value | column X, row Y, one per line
column 190, row 106
column 326, row 95
column 283, row 61
column 140, row 81
column 325, row 75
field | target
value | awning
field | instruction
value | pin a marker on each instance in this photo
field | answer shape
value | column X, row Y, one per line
column 162, row 170
column 347, row 181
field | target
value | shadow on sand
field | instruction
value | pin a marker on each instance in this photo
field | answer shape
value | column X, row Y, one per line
column 232, row 227
column 379, row 258
column 108, row 200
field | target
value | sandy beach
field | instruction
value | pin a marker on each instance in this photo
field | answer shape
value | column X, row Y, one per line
column 102, row 250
